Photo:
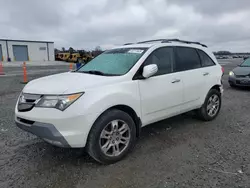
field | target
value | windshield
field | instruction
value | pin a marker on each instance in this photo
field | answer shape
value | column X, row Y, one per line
column 113, row 62
column 246, row 63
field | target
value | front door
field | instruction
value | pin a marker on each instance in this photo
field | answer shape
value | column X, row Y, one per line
column 161, row 94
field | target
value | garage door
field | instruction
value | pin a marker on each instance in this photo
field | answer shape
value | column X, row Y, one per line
column 1, row 53
column 20, row 52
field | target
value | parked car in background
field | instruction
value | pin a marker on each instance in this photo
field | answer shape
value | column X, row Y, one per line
column 103, row 105
column 245, row 57
column 240, row 76
column 221, row 57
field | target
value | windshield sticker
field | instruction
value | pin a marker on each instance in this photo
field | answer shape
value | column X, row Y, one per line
column 135, row 51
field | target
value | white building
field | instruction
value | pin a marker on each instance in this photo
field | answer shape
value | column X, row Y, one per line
column 22, row 50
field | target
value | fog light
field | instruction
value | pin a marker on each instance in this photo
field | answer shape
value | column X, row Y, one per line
column 53, row 142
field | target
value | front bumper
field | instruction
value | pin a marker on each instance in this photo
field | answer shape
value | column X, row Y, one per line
column 46, row 131
column 69, row 128
column 245, row 82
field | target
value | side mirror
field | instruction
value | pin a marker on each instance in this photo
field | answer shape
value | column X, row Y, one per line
column 149, row 70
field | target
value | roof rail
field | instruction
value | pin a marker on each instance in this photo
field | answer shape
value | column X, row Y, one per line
column 155, row 40
column 183, row 41
column 128, row 43
column 171, row 40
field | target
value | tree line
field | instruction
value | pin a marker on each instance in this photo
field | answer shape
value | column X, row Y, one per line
column 71, row 50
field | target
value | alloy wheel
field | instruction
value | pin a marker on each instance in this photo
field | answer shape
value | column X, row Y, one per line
column 115, row 138
column 213, row 105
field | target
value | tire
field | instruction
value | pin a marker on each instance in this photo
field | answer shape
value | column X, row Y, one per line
column 106, row 122
column 232, row 85
column 203, row 112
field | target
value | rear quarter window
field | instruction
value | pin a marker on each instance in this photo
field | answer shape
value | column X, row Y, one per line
column 206, row 61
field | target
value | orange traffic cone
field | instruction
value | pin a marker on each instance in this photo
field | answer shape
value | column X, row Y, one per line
column 25, row 81
column 71, row 66
column 1, row 69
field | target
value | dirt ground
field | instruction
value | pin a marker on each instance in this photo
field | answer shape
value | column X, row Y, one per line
column 178, row 152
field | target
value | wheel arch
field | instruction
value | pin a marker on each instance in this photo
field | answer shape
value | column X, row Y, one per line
column 217, row 87
column 130, row 111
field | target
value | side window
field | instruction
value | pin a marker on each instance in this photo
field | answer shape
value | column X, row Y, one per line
column 205, row 59
column 163, row 58
column 186, row 59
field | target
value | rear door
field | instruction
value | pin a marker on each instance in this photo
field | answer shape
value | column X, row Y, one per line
column 189, row 65
column 161, row 94
column 210, row 71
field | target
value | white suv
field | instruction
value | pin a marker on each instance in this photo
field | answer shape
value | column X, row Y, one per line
column 103, row 105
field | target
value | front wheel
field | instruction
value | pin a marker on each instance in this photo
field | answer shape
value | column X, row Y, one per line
column 211, row 107
column 112, row 136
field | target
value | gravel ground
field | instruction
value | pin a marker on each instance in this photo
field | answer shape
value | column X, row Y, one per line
column 178, row 152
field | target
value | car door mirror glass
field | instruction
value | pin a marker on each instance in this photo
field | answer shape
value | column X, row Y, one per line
column 149, row 70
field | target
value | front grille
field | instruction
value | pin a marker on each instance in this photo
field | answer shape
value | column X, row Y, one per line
column 30, row 100
column 27, row 101
column 242, row 76
column 26, row 121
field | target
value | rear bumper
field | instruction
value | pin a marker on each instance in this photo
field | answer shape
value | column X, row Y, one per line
column 46, row 131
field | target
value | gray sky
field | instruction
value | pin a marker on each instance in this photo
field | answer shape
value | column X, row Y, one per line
column 85, row 24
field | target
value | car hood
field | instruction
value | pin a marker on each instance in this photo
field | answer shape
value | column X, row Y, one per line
column 67, row 83
column 242, row 71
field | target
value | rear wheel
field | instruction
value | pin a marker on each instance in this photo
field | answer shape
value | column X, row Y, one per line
column 211, row 107
column 112, row 136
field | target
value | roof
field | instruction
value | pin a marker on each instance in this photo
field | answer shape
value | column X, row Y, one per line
column 26, row 41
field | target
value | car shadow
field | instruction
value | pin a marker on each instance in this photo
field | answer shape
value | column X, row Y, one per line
column 239, row 88
column 176, row 123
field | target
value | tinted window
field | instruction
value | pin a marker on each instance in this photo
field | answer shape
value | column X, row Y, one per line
column 205, row 60
column 163, row 58
column 186, row 59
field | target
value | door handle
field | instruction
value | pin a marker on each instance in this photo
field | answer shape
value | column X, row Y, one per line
column 205, row 73
column 176, row 81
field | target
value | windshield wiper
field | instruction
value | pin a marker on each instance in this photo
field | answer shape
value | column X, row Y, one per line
column 93, row 72
column 98, row 73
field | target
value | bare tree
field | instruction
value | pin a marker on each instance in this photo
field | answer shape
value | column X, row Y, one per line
column 71, row 50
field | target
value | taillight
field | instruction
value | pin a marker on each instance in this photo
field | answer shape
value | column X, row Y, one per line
column 222, row 70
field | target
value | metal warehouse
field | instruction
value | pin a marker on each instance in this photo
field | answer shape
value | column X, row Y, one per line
column 24, row 50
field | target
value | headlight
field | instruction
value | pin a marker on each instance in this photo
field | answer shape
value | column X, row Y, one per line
column 231, row 73
column 60, row 102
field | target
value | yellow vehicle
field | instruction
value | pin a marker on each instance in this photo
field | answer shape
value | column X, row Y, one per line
column 87, row 57
column 75, row 57
column 63, row 56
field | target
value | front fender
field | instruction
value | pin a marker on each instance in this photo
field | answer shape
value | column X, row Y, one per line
column 97, row 101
